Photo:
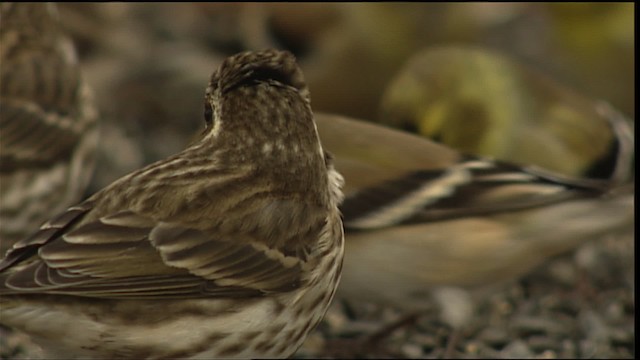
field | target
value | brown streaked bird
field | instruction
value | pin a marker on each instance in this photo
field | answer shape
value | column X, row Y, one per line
column 48, row 132
column 422, row 219
column 231, row 248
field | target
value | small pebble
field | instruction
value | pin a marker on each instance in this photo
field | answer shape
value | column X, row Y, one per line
column 517, row 349
column 543, row 343
column 412, row 351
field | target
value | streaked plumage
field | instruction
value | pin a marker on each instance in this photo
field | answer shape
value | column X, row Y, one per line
column 422, row 219
column 48, row 131
column 230, row 248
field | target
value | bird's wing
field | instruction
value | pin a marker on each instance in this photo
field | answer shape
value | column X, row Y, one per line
column 393, row 177
column 471, row 186
column 33, row 138
column 126, row 255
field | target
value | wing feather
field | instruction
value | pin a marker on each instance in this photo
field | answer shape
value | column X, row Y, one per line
column 126, row 255
column 472, row 186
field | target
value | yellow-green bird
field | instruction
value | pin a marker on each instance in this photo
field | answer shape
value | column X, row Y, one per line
column 482, row 102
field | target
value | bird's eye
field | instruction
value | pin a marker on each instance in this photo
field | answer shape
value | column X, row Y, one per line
column 257, row 75
column 208, row 114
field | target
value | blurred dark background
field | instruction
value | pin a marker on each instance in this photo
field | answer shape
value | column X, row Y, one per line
column 149, row 63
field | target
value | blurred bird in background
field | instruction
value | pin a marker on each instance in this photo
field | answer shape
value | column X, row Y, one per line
column 48, row 125
column 482, row 102
column 421, row 218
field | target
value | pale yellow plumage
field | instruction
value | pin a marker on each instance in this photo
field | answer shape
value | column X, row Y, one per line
column 483, row 102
